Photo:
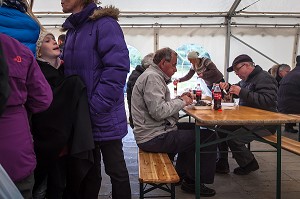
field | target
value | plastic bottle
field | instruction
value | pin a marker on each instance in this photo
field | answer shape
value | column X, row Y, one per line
column 217, row 97
column 212, row 91
column 198, row 93
column 175, row 83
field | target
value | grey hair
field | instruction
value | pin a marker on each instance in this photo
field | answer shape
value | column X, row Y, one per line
column 164, row 53
column 281, row 67
column 1, row 2
column 147, row 60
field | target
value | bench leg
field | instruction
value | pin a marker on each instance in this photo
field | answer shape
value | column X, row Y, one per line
column 172, row 191
column 141, row 190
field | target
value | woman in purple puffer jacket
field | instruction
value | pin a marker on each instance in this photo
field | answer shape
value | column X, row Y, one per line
column 95, row 50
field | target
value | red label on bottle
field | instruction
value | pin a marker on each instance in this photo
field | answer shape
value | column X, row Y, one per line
column 217, row 96
column 198, row 92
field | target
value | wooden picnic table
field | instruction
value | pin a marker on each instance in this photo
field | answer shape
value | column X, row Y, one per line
column 241, row 115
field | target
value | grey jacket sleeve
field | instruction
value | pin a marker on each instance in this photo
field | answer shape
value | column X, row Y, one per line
column 159, row 107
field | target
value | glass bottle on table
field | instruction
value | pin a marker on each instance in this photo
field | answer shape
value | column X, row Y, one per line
column 198, row 94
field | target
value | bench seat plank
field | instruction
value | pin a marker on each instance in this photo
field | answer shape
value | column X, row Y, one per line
column 286, row 143
column 156, row 168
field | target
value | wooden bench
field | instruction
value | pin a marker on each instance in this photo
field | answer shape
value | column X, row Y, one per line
column 157, row 171
column 286, row 143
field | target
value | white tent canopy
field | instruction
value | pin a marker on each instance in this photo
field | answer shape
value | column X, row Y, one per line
column 267, row 30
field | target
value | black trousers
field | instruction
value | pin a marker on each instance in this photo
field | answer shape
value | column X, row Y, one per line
column 115, row 168
column 182, row 142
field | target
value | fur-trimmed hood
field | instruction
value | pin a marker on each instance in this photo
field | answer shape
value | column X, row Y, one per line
column 90, row 12
column 107, row 11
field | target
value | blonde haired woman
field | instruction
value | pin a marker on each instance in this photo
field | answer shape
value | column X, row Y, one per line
column 18, row 21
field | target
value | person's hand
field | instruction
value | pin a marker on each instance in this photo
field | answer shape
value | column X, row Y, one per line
column 200, row 75
column 234, row 89
column 187, row 94
column 186, row 99
column 176, row 81
column 224, row 85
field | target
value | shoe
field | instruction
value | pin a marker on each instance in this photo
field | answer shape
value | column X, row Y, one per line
column 222, row 167
column 204, row 190
column 188, row 187
column 252, row 166
column 290, row 130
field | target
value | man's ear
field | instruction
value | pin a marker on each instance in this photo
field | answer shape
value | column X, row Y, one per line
column 162, row 63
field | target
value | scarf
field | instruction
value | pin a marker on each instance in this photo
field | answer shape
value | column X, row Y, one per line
column 16, row 4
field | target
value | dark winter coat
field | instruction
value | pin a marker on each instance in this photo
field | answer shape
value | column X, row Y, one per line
column 95, row 50
column 259, row 90
column 65, row 123
column 130, row 84
column 289, row 92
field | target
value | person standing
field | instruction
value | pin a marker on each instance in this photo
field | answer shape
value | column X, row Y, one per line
column 30, row 93
column 139, row 69
column 18, row 21
column 289, row 91
column 204, row 68
column 281, row 72
column 61, row 41
column 95, row 49
column 63, row 145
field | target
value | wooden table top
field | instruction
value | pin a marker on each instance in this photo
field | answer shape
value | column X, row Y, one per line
column 242, row 115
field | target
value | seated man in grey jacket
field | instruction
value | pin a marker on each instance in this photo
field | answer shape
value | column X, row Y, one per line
column 257, row 89
column 156, row 128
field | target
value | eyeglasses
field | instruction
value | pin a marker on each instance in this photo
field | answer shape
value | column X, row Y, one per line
column 237, row 69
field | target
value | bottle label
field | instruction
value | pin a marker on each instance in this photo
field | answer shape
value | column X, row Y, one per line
column 217, row 96
column 198, row 95
column 217, row 100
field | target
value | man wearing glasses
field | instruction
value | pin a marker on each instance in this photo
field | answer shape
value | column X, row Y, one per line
column 156, row 127
column 257, row 89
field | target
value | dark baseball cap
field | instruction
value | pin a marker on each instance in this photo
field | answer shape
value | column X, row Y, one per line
column 239, row 59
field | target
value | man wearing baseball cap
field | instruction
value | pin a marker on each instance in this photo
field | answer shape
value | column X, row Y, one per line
column 257, row 89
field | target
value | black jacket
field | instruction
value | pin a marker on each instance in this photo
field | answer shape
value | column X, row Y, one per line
column 289, row 92
column 130, row 84
column 65, row 123
column 259, row 90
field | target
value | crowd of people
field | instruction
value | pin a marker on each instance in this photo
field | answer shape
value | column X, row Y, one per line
column 67, row 98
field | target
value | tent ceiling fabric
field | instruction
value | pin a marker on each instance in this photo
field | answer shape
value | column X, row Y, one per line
column 261, row 28
column 262, row 6
column 191, row 13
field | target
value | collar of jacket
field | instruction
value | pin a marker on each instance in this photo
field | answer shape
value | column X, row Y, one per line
column 90, row 12
column 140, row 68
column 75, row 20
column 256, row 70
column 159, row 71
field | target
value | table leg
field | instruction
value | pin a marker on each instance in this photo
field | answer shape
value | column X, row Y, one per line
column 278, row 181
column 197, row 167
